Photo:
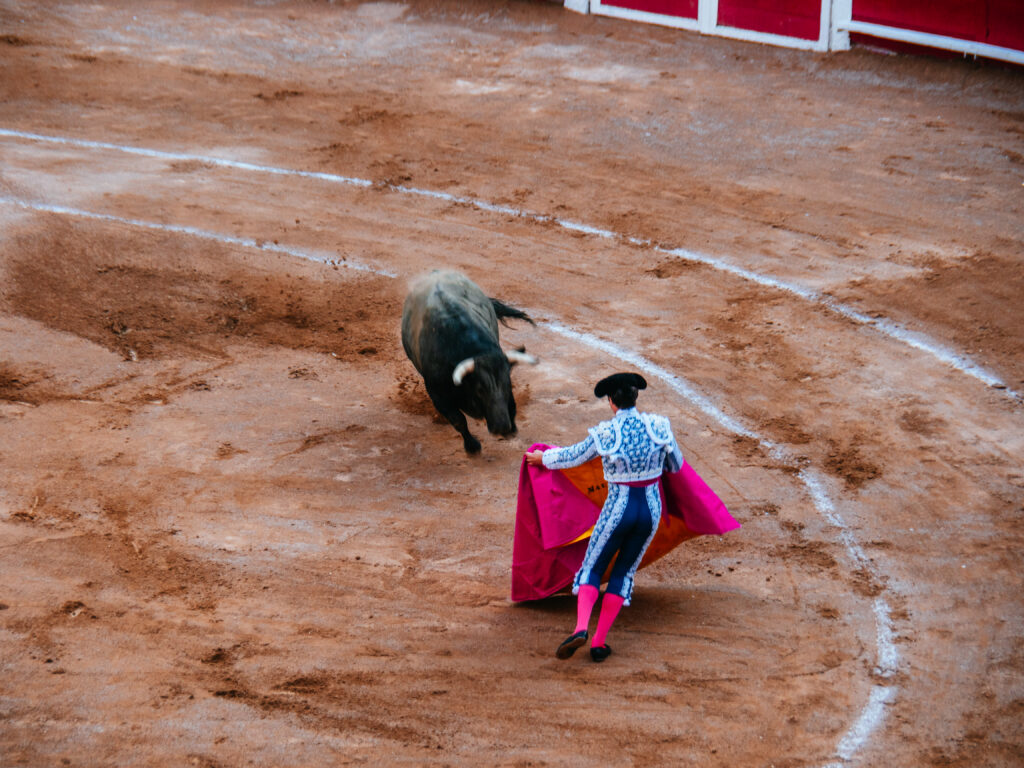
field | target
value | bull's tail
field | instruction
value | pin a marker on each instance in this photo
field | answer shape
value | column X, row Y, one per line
column 503, row 310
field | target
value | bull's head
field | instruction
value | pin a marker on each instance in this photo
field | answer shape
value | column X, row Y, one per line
column 486, row 387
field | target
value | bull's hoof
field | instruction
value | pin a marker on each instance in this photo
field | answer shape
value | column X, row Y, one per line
column 471, row 444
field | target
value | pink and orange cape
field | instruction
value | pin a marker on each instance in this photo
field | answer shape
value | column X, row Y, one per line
column 556, row 510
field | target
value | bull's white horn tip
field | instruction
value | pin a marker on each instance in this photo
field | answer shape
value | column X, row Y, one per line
column 515, row 356
column 466, row 366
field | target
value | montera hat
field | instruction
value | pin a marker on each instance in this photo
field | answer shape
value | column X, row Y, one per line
column 612, row 384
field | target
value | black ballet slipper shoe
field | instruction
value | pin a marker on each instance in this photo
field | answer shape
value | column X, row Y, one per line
column 571, row 643
column 600, row 652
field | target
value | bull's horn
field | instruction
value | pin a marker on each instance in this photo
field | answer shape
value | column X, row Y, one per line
column 466, row 366
column 515, row 356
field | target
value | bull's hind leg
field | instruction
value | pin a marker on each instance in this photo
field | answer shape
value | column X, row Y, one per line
column 458, row 420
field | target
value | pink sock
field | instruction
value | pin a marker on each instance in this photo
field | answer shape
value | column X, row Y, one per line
column 584, row 606
column 609, row 611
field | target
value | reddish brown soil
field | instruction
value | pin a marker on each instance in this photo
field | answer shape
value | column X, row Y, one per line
column 233, row 531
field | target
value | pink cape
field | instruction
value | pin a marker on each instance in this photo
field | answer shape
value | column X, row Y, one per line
column 552, row 512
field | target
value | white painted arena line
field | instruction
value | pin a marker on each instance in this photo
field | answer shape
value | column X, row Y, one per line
column 873, row 714
column 203, row 234
column 208, row 159
column 889, row 328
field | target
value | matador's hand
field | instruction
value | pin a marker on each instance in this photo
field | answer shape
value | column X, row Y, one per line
column 535, row 458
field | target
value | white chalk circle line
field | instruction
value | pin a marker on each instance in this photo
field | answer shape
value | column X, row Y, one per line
column 889, row 328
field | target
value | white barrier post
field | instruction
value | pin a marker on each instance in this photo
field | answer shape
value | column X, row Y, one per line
column 839, row 25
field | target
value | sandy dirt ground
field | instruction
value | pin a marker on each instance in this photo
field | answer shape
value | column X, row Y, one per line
column 234, row 532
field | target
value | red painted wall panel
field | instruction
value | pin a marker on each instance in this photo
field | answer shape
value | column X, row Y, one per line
column 997, row 22
column 684, row 9
column 1006, row 24
column 962, row 19
column 793, row 18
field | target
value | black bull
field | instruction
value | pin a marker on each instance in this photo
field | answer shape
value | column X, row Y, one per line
column 450, row 333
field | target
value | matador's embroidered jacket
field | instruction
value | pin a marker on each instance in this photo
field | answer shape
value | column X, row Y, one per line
column 634, row 447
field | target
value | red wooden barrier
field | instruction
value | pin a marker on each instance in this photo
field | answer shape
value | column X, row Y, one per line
column 681, row 9
column 792, row 18
column 971, row 25
column 996, row 22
